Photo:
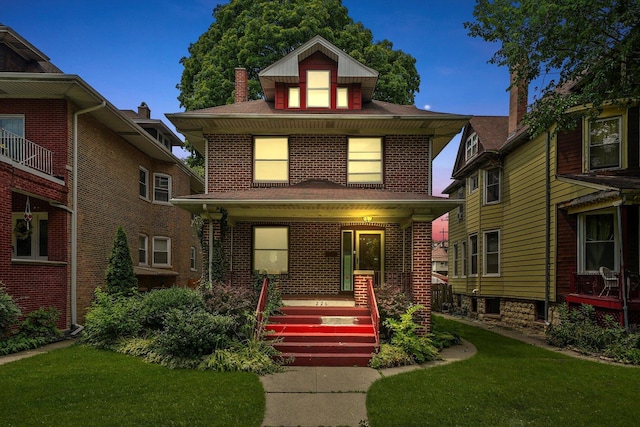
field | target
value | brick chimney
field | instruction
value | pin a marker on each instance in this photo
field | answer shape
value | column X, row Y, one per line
column 143, row 111
column 518, row 95
column 242, row 85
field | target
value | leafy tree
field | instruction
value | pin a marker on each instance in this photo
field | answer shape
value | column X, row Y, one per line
column 254, row 34
column 590, row 46
column 120, row 279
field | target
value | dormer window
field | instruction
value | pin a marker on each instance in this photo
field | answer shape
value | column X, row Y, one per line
column 471, row 146
column 318, row 88
column 294, row 97
column 342, row 97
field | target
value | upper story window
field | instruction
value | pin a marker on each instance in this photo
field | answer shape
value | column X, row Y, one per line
column 460, row 209
column 161, row 252
column 143, row 183
column 161, row 188
column 30, row 241
column 270, row 159
column 318, row 88
column 472, row 183
column 471, row 146
column 294, row 97
column 342, row 97
column 604, row 143
column 364, row 161
column 492, row 186
column 13, row 124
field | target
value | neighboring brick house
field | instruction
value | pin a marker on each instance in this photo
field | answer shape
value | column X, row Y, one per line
column 125, row 173
column 543, row 214
column 320, row 183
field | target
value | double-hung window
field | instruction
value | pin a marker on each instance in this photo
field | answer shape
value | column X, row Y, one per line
column 342, row 97
column 604, row 143
column 597, row 243
column 472, row 183
column 491, row 255
column 492, row 186
column 143, row 244
column 30, row 240
column 161, row 251
column 294, row 97
column 270, row 159
column 161, row 188
column 465, row 257
column 471, row 146
column 271, row 249
column 192, row 258
column 318, row 88
column 143, row 183
column 364, row 164
column 12, row 136
column 473, row 255
column 456, row 260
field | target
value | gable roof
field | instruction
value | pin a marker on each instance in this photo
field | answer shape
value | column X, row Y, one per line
column 349, row 70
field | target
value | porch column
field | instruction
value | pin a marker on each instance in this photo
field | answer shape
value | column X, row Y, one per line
column 360, row 282
column 421, row 277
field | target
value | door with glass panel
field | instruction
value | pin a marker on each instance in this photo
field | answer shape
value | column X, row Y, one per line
column 361, row 250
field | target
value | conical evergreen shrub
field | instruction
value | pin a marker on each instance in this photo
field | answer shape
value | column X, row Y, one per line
column 120, row 279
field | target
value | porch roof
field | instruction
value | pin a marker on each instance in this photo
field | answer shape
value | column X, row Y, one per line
column 613, row 190
column 319, row 201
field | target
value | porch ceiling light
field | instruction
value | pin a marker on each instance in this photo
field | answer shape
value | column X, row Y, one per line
column 367, row 219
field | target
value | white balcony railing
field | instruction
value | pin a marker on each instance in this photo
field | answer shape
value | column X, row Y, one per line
column 25, row 152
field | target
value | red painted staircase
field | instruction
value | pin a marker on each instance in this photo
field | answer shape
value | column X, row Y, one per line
column 324, row 335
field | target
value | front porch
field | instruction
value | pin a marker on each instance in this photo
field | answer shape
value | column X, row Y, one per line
column 590, row 289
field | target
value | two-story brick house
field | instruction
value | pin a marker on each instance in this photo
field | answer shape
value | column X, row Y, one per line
column 320, row 183
column 543, row 214
column 72, row 169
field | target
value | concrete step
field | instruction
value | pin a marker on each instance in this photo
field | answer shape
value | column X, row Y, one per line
column 318, row 328
column 328, row 359
column 335, row 337
column 326, row 347
column 326, row 311
column 323, row 320
column 290, row 302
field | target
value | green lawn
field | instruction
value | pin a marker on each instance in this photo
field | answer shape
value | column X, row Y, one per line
column 81, row 386
column 508, row 383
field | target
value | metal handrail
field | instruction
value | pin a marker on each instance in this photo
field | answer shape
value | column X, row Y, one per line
column 262, row 304
column 25, row 152
column 373, row 306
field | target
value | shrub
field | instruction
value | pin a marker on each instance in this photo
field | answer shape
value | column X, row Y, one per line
column 16, row 343
column 120, row 279
column 157, row 303
column 228, row 300
column 254, row 356
column 9, row 311
column 389, row 356
column 41, row 323
column 193, row 333
column 110, row 319
column 405, row 336
column 392, row 303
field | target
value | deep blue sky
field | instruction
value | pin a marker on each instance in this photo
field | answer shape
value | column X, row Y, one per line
column 129, row 50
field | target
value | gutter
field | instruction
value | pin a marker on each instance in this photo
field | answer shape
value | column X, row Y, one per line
column 74, row 218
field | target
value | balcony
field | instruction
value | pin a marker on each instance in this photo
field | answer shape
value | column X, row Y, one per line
column 25, row 152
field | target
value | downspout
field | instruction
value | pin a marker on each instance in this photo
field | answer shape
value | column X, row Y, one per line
column 547, row 229
column 210, row 261
column 622, row 285
column 74, row 219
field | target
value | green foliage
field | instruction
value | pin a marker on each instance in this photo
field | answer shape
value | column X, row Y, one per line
column 111, row 319
column 595, row 43
column 41, row 323
column 392, row 303
column 19, row 342
column 157, row 303
column 9, row 311
column 255, row 34
column 389, row 356
column 255, row 356
column 274, row 297
column 120, row 279
column 229, row 300
column 405, row 336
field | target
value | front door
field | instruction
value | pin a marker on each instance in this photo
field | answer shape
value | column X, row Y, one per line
column 361, row 250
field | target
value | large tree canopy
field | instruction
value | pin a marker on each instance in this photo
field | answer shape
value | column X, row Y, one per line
column 589, row 46
column 256, row 33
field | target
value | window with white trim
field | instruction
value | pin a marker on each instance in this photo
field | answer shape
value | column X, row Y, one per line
column 471, row 146
column 473, row 255
column 143, row 245
column 143, row 183
column 271, row 159
column 492, row 186
column 294, row 97
column 30, row 240
column 11, row 134
column 318, row 88
column 192, row 258
column 364, row 163
column 604, row 143
column 456, row 260
column 161, row 251
column 161, row 188
column 460, row 209
column 472, row 183
column 597, row 241
column 491, row 253
column 342, row 97
column 465, row 258
column 271, row 249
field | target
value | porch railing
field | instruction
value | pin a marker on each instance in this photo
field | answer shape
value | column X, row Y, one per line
column 262, row 304
column 592, row 283
column 25, row 152
column 373, row 307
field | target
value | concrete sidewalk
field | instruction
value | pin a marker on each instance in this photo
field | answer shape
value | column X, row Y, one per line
column 332, row 396
column 28, row 353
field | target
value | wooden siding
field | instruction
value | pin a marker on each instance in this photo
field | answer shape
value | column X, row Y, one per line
column 570, row 151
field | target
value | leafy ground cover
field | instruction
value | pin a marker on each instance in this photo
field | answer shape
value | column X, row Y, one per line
column 508, row 383
column 80, row 386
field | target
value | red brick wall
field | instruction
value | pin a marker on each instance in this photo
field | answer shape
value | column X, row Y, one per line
column 421, row 286
column 319, row 157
